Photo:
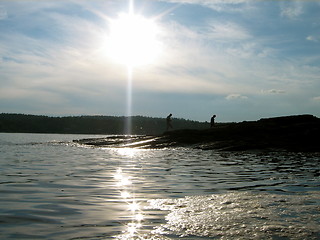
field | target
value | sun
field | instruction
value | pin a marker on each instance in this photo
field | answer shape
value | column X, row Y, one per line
column 133, row 40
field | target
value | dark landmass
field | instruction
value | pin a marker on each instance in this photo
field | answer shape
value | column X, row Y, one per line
column 24, row 123
column 291, row 133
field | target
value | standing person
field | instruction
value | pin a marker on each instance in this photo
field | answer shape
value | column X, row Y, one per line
column 212, row 120
column 169, row 120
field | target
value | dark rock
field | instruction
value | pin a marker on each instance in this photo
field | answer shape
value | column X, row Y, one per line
column 292, row 133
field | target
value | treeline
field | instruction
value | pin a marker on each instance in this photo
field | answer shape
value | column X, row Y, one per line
column 24, row 123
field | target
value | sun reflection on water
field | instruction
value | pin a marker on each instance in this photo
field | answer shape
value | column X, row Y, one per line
column 128, row 152
column 125, row 194
column 134, row 208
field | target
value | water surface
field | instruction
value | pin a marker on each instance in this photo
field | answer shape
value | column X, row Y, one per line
column 51, row 188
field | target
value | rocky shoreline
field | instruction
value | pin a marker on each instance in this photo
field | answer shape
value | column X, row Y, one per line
column 291, row 133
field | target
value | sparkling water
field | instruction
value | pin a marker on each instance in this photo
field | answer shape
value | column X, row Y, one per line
column 52, row 188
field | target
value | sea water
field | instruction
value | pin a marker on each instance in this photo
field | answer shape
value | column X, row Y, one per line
column 52, row 188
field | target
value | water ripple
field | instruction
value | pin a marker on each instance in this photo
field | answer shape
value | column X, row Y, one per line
column 58, row 190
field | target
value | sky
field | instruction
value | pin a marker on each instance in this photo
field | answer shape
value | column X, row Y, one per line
column 239, row 59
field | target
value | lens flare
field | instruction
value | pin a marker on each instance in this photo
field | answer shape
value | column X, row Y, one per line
column 139, row 217
column 134, row 206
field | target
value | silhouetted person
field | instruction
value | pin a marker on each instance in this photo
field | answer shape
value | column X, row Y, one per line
column 169, row 120
column 212, row 120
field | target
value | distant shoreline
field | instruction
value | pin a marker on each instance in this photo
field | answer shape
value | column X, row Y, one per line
column 102, row 125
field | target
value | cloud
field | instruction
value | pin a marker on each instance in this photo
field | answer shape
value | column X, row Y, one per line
column 226, row 5
column 217, row 5
column 250, row 49
column 220, row 67
column 209, row 2
column 75, row 60
column 317, row 99
column 236, row 96
column 273, row 91
column 3, row 13
column 67, row 64
column 291, row 9
column 219, row 55
column 227, row 31
column 313, row 38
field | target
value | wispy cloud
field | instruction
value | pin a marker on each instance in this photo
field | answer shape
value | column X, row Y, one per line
column 57, row 67
column 273, row 91
column 227, row 31
column 317, row 99
column 218, row 5
column 236, row 96
column 313, row 38
column 48, row 53
column 3, row 13
column 292, row 9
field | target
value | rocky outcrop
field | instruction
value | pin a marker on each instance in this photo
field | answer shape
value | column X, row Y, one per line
column 292, row 133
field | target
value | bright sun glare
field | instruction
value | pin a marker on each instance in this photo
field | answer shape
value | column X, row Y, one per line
column 133, row 40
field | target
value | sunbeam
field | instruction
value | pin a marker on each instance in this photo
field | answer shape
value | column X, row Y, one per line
column 132, row 41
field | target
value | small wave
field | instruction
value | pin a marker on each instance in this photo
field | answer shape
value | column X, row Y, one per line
column 241, row 215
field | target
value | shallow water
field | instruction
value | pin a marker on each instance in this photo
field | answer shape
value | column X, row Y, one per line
column 51, row 188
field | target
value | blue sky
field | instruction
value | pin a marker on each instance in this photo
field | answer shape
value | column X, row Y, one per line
column 238, row 59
